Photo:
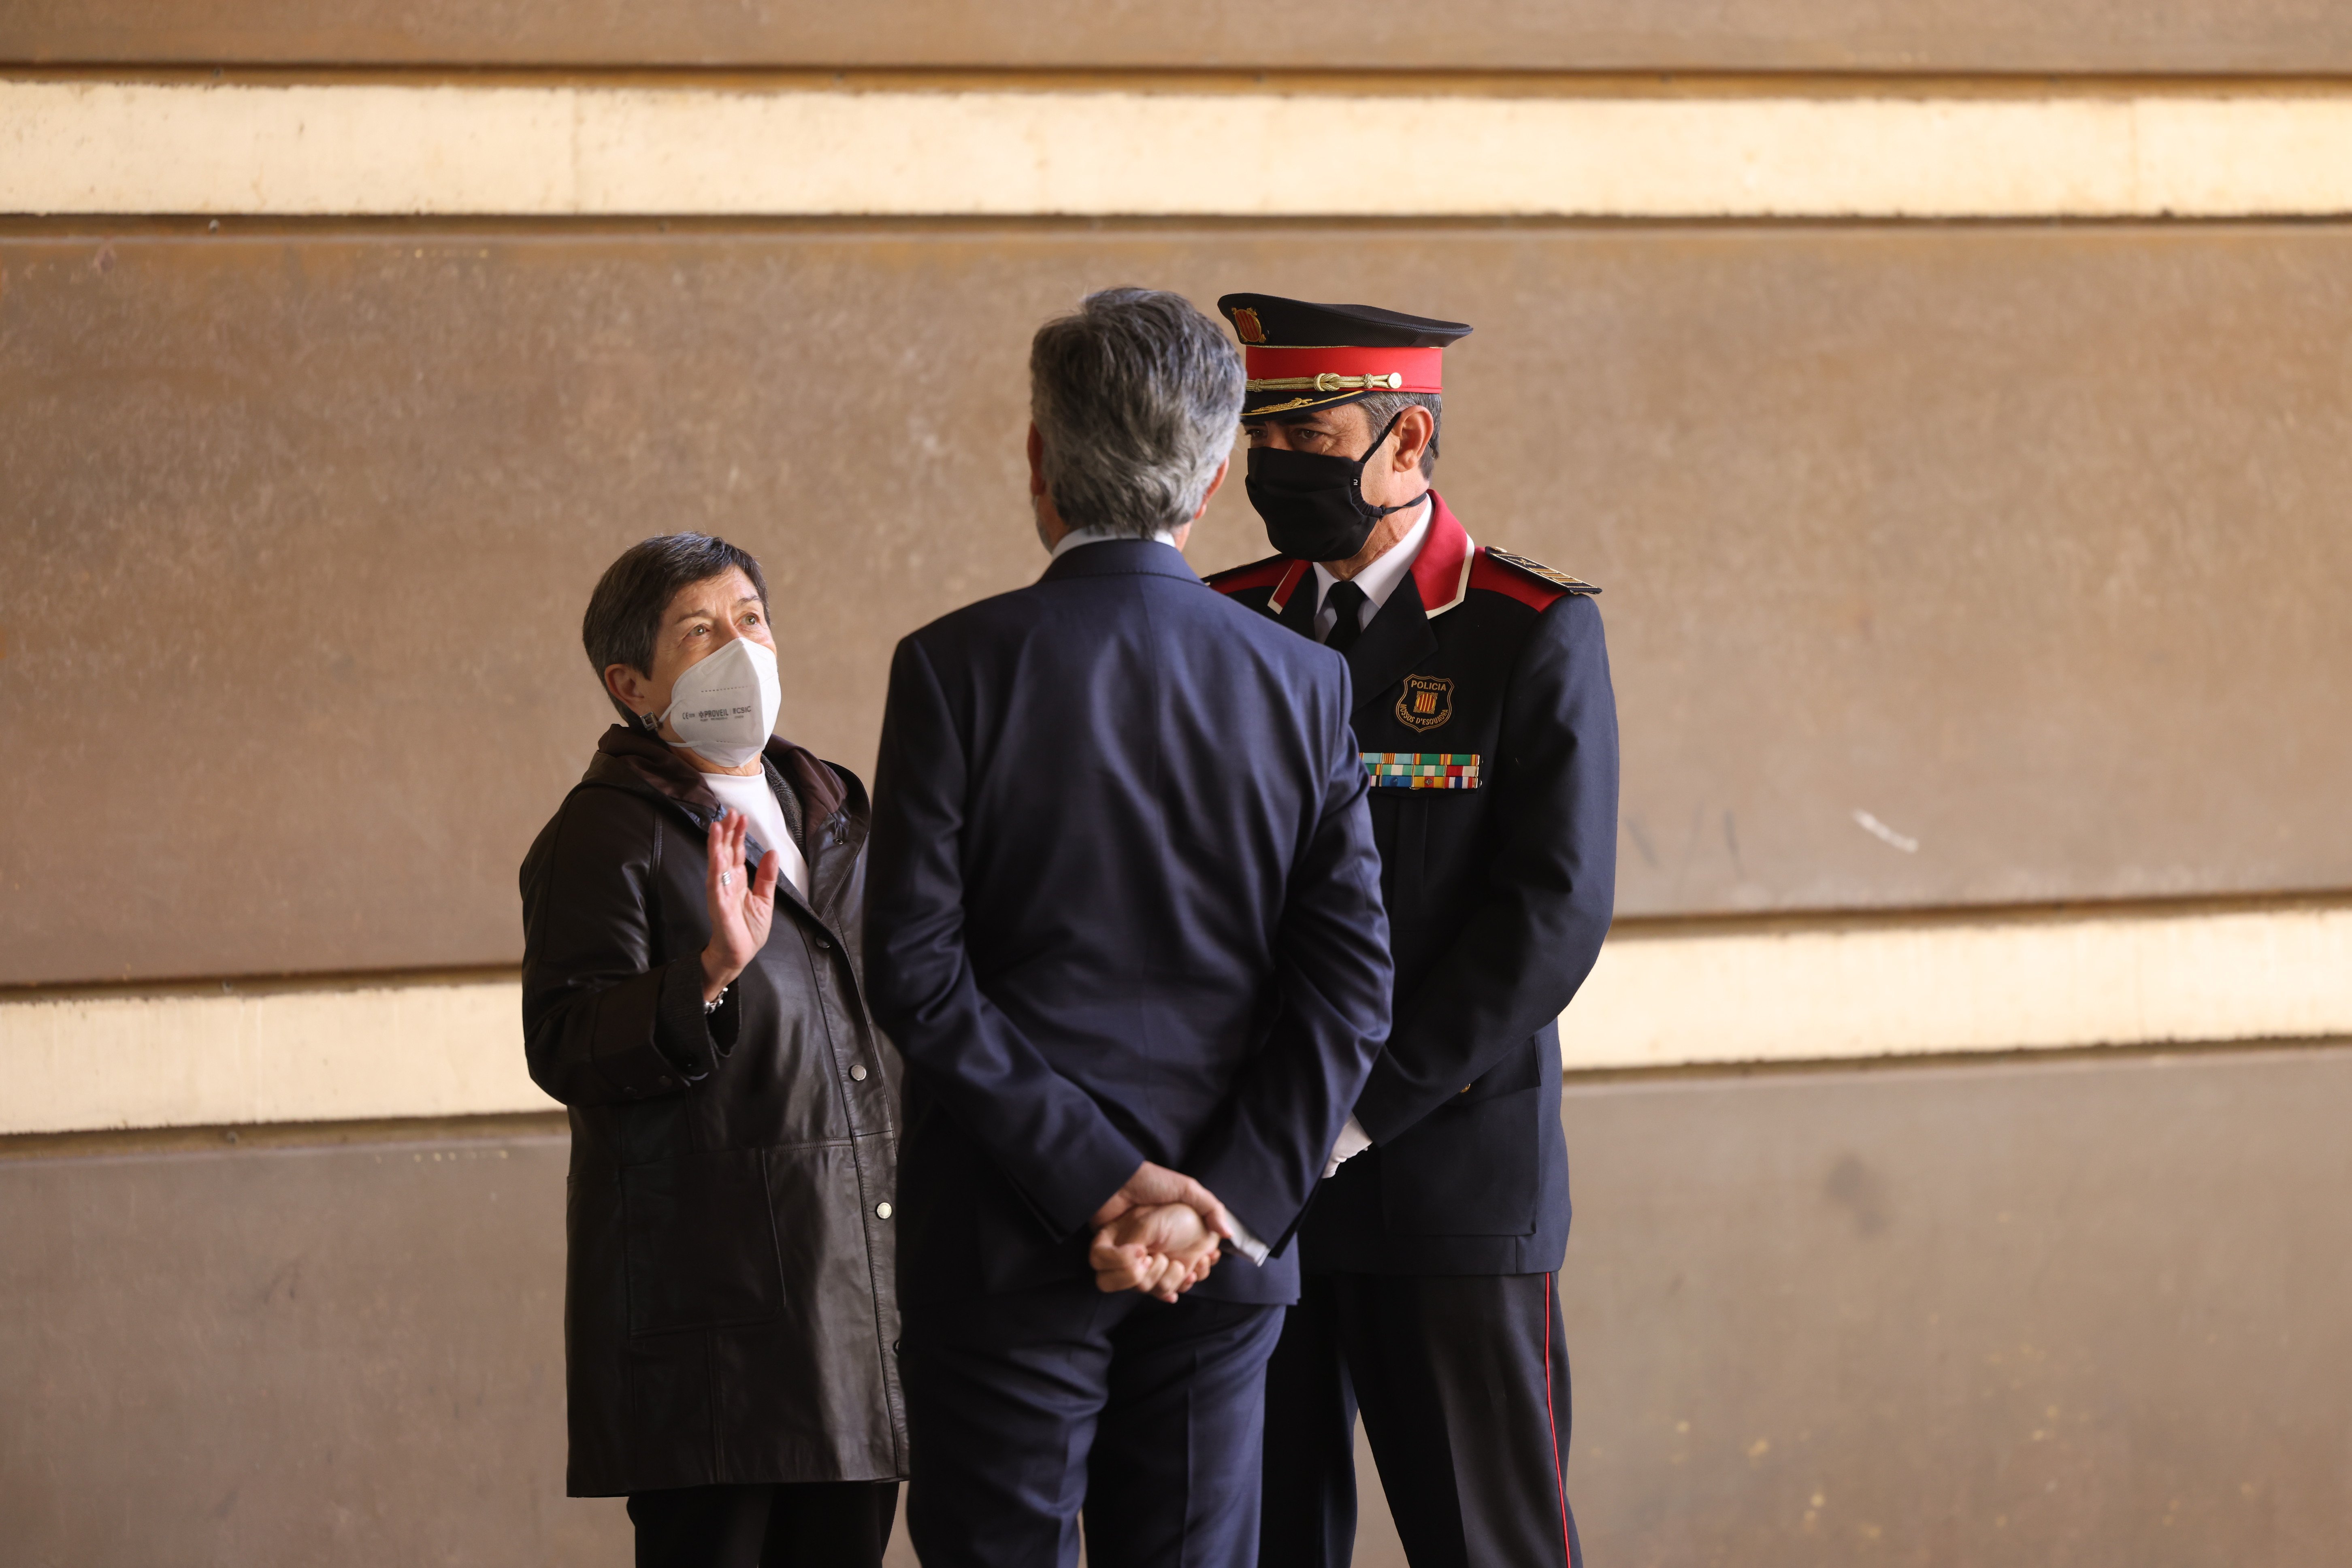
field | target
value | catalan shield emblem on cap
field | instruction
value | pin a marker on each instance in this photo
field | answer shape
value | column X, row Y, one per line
column 1427, row 702
column 1246, row 323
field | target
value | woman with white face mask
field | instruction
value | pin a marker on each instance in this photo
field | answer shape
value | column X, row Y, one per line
column 693, row 990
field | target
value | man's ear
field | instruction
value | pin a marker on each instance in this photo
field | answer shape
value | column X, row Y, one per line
column 1037, row 461
column 1217, row 479
column 1412, row 433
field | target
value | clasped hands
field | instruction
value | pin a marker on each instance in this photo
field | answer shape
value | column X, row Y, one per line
column 1158, row 1234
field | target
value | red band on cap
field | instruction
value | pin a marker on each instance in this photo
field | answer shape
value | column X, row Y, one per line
column 1422, row 368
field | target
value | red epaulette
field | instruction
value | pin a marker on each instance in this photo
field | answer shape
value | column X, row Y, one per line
column 1263, row 574
column 1279, row 573
column 1529, row 581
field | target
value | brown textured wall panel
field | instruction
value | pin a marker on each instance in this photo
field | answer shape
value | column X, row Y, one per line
column 2027, row 542
column 291, row 1356
column 2299, row 36
column 2087, row 1314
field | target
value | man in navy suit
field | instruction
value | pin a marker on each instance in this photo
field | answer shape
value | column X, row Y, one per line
column 1124, row 924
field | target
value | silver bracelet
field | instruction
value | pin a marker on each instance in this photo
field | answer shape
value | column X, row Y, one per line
column 713, row 1004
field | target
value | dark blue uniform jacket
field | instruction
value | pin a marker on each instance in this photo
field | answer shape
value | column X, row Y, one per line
column 1489, row 678
column 1122, row 904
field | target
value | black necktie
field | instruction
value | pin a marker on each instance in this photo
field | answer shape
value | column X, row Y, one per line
column 1348, row 601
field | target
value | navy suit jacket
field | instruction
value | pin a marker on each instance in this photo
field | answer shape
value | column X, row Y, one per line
column 1122, row 904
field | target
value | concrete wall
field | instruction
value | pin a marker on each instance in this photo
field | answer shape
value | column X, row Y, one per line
column 2023, row 541
column 1971, row 532
column 2071, row 1311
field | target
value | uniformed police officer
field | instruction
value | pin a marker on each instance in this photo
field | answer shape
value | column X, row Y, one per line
column 1483, row 707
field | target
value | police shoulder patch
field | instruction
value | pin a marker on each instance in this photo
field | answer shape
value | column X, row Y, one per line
column 1529, row 581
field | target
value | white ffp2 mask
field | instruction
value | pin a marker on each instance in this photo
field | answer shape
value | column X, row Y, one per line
column 725, row 707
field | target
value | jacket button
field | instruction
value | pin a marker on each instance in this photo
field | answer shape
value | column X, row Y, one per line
column 882, row 1211
column 858, row 1073
column 824, row 944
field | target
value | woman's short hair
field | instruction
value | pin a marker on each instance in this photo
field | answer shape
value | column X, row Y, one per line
column 1136, row 396
column 625, row 613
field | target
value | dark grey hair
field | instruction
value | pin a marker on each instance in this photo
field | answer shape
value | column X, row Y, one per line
column 624, row 613
column 1136, row 396
column 1380, row 407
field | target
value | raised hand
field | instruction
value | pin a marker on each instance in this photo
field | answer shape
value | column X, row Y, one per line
column 1160, row 1249
column 742, row 907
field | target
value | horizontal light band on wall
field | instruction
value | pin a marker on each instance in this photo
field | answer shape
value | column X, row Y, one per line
column 1905, row 987
column 1788, row 992
column 194, row 1059
column 132, row 147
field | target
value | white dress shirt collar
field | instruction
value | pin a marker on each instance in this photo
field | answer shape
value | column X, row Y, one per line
column 1078, row 536
column 1380, row 579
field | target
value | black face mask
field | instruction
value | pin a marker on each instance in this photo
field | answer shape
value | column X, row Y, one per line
column 1314, row 505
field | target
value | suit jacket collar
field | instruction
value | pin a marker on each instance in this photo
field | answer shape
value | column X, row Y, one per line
column 1298, row 610
column 1442, row 571
column 1399, row 638
column 1121, row 558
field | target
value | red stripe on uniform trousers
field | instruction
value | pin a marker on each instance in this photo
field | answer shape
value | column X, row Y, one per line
column 1551, row 1415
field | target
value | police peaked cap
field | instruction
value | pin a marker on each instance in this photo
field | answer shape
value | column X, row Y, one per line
column 1301, row 355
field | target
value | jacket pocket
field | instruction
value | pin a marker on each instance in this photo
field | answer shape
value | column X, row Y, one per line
column 701, row 1235
column 1467, row 1169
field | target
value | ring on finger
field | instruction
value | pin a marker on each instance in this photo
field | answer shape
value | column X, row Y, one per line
column 726, row 879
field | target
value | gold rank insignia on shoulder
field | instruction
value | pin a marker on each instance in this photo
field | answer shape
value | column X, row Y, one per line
column 1538, row 569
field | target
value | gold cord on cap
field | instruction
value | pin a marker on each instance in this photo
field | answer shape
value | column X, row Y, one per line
column 1326, row 382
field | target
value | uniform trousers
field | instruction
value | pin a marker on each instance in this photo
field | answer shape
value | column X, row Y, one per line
column 1463, row 1384
column 1025, row 1408
column 805, row 1524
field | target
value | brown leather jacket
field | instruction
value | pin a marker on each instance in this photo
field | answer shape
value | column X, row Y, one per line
column 730, row 1311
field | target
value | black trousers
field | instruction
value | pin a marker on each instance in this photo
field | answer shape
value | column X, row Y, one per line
column 1463, row 1384
column 809, row 1524
column 1025, row 1408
